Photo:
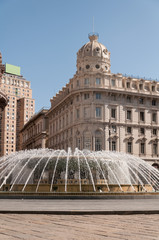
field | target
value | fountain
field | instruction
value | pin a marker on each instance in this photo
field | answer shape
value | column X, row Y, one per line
column 81, row 171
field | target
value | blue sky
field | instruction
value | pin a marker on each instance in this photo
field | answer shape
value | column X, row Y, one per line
column 43, row 37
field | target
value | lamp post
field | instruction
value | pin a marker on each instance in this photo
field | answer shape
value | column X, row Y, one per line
column 109, row 135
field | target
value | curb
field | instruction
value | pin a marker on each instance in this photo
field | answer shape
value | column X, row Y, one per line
column 135, row 212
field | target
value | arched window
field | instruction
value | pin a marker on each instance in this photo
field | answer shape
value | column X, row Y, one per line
column 98, row 141
column 78, row 142
column 87, row 140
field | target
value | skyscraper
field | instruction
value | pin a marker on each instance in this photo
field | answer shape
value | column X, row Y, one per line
column 19, row 110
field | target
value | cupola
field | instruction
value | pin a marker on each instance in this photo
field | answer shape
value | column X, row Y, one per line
column 93, row 56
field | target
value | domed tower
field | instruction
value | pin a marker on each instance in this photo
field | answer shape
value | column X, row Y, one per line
column 93, row 56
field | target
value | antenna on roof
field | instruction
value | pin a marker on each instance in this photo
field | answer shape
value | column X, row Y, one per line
column 93, row 24
column 93, row 35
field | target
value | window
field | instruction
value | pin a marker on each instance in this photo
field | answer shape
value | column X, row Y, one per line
column 77, row 113
column 113, row 82
column 77, row 98
column 113, row 97
column 26, row 84
column 87, row 66
column 129, row 147
column 128, row 99
column 113, row 146
column 142, row 148
column 141, row 100
column 141, row 86
column 154, row 131
column 78, row 83
column 8, row 81
column 113, row 129
column 153, row 102
column 16, row 91
column 128, row 115
column 97, row 66
column 86, row 96
column 98, row 81
column 154, row 117
column 153, row 88
column 86, row 81
column 155, row 148
column 98, row 111
column 87, row 140
column 78, row 143
column 142, row 130
column 98, row 95
column 142, row 116
column 129, row 130
column 98, row 141
column 98, row 146
column 113, row 113
column 128, row 84
column 86, row 112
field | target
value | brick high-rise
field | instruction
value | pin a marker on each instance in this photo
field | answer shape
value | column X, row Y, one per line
column 19, row 110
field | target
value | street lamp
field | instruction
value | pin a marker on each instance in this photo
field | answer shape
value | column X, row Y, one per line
column 109, row 135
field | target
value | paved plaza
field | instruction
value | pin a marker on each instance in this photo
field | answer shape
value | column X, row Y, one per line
column 78, row 227
column 79, row 219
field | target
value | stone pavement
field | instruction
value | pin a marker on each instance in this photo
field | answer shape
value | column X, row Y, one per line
column 102, row 206
column 79, row 227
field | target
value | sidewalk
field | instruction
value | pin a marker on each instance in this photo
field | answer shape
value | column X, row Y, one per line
column 102, row 206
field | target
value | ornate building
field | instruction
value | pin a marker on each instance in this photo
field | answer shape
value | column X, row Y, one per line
column 101, row 110
column 35, row 131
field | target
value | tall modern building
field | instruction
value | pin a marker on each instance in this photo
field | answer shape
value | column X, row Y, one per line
column 98, row 109
column 19, row 110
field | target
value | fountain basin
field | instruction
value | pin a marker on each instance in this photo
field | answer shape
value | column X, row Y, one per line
column 74, row 188
column 58, row 171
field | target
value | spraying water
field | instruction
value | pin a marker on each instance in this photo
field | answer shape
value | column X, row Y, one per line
column 50, row 170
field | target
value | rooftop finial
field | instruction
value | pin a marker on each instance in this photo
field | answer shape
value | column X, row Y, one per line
column 93, row 36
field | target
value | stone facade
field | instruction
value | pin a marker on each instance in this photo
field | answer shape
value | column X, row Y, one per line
column 100, row 110
column 35, row 132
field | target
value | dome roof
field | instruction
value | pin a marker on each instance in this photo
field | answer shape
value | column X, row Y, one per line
column 93, row 48
column 93, row 57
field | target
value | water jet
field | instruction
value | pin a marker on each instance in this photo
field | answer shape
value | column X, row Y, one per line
column 80, row 172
